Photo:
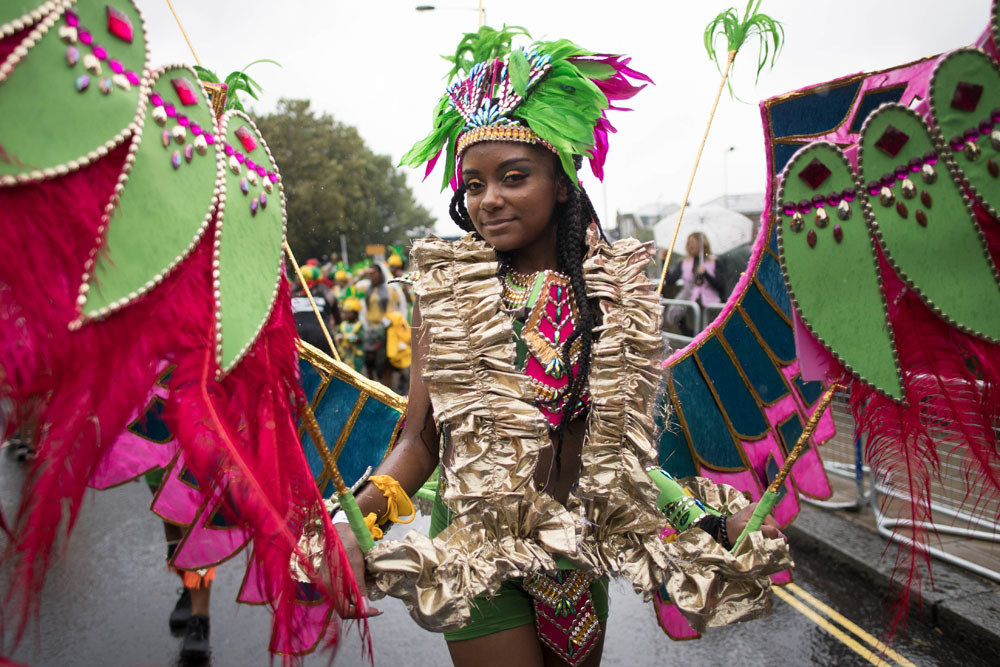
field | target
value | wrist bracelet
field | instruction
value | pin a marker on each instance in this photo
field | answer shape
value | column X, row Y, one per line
column 724, row 534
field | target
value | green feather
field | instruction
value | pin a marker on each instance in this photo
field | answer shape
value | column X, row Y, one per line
column 449, row 161
column 595, row 70
column 519, row 72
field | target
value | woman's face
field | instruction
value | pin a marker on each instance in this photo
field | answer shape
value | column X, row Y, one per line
column 511, row 191
column 693, row 246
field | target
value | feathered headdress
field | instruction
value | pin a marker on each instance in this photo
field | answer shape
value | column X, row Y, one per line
column 555, row 94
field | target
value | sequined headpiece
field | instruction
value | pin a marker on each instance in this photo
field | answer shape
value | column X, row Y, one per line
column 554, row 94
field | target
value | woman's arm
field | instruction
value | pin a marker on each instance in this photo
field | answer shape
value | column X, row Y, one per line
column 410, row 462
column 415, row 455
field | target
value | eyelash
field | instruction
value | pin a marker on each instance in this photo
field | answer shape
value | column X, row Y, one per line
column 474, row 186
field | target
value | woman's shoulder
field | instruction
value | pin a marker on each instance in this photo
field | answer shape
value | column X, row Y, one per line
column 433, row 252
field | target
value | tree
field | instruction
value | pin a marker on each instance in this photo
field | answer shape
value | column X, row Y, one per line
column 334, row 184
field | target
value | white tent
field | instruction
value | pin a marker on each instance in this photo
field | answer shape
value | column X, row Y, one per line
column 724, row 228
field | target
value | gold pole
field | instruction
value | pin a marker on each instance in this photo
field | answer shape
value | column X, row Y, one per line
column 697, row 160
column 177, row 18
column 800, row 444
column 319, row 318
column 309, row 419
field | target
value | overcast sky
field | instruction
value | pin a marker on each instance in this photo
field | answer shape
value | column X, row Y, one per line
column 376, row 65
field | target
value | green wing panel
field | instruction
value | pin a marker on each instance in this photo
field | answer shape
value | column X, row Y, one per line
column 828, row 258
column 63, row 103
column 168, row 198
column 18, row 14
column 965, row 105
column 920, row 217
column 248, row 240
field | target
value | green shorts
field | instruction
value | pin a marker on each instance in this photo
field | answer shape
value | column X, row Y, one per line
column 512, row 606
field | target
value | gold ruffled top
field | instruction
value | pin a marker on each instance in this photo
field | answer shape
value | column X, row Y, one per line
column 492, row 433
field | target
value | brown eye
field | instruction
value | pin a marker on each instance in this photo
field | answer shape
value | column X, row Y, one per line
column 474, row 186
column 514, row 176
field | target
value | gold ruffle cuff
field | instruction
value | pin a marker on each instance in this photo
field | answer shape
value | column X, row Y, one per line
column 492, row 434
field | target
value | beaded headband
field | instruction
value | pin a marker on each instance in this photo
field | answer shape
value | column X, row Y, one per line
column 516, row 133
column 553, row 94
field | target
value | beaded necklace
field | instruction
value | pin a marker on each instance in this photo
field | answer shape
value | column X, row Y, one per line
column 550, row 321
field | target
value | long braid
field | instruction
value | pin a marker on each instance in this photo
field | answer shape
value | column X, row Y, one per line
column 570, row 248
column 458, row 212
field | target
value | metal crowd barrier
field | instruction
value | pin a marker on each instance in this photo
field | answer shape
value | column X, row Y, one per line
column 693, row 306
column 953, row 513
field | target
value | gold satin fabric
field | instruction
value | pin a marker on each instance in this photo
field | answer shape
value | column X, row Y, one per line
column 492, row 434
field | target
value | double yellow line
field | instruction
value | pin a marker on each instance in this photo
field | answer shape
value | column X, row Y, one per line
column 822, row 614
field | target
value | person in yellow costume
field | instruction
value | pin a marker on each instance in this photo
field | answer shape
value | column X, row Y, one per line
column 341, row 281
column 383, row 299
column 349, row 335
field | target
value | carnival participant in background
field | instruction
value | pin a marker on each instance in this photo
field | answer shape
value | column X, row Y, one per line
column 349, row 336
column 534, row 377
column 382, row 299
column 341, row 281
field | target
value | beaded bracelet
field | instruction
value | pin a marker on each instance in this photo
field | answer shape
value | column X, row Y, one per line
column 716, row 527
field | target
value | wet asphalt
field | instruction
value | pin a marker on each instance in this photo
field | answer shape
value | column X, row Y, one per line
column 109, row 594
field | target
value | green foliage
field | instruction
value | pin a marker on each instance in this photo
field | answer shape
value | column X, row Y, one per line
column 769, row 32
column 334, row 184
column 236, row 82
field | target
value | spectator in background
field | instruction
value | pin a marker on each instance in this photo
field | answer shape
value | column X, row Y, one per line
column 700, row 283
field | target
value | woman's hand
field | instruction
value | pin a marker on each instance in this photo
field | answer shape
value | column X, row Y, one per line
column 736, row 523
column 357, row 561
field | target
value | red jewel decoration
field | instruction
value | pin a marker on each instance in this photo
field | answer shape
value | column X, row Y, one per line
column 185, row 90
column 72, row 19
column 838, row 233
column 966, row 97
column 921, row 218
column 116, row 66
column 246, row 137
column 925, row 198
column 815, row 174
column 132, row 77
column 119, row 24
column 210, row 138
column 99, row 52
column 892, row 141
column 811, row 238
column 901, row 209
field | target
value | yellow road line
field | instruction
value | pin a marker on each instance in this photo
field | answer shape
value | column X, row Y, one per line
column 837, row 617
column 849, row 641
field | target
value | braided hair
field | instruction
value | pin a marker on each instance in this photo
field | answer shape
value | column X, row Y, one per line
column 573, row 217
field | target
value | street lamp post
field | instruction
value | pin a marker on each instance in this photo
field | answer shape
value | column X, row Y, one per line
column 725, row 176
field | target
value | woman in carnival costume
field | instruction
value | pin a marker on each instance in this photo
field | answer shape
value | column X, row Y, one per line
column 536, row 362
